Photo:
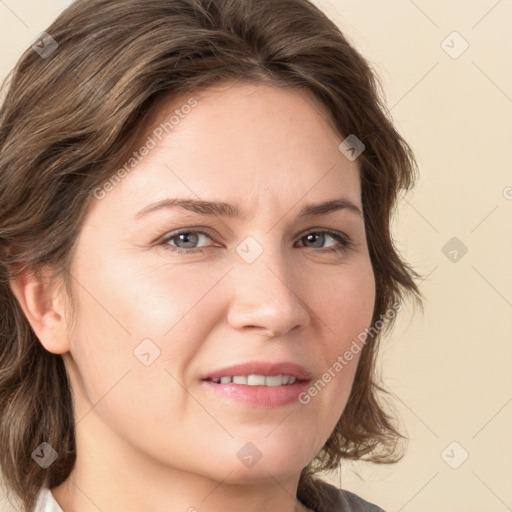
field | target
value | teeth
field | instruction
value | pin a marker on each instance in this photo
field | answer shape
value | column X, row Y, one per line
column 274, row 380
column 257, row 380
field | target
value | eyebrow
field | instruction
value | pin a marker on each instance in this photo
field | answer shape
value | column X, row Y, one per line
column 219, row 208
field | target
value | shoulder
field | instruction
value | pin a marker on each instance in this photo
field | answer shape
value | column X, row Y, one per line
column 46, row 502
column 345, row 501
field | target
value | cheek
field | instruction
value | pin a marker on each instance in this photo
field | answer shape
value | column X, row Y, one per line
column 131, row 299
column 344, row 306
column 141, row 318
column 155, row 298
column 344, row 301
column 355, row 306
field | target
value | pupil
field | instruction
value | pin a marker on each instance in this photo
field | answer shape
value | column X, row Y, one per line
column 186, row 236
column 312, row 235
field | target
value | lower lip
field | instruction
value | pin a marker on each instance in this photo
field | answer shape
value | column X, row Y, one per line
column 262, row 396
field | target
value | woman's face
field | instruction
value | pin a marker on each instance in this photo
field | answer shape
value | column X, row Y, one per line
column 266, row 288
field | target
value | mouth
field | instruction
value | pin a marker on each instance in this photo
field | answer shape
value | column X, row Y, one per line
column 261, row 384
column 256, row 380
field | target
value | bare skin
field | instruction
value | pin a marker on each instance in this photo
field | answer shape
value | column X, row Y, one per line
column 155, row 437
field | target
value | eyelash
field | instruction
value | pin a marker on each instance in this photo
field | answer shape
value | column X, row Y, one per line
column 345, row 242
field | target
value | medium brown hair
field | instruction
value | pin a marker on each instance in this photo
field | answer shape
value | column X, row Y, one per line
column 65, row 124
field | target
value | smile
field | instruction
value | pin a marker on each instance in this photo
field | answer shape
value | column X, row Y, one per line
column 257, row 380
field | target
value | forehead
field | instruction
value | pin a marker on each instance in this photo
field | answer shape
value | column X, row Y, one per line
column 241, row 141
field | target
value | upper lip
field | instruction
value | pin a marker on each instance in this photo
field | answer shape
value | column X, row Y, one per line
column 261, row 368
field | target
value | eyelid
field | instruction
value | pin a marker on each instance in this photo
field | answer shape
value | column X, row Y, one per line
column 177, row 232
column 342, row 238
column 332, row 232
column 194, row 229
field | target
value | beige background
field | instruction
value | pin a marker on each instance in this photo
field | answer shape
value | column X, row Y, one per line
column 450, row 369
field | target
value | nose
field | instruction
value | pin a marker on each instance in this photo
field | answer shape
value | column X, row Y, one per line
column 266, row 296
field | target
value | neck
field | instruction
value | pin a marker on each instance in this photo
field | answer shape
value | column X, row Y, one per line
column 109, row 475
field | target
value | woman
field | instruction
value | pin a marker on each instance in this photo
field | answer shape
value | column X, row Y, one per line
column 170, row 340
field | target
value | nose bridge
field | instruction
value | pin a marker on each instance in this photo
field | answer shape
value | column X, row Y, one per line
column 264, row 287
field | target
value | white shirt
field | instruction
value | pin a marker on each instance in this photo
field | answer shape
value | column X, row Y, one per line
column 46, row 502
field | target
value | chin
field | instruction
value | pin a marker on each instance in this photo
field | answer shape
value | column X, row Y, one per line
column 256, row 462
column 262, row 473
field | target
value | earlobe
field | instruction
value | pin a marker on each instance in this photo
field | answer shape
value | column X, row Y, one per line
column 42, row 305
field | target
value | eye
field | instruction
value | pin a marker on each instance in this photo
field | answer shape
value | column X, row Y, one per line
column 186, row 240
column 186, row 237
column 320, row 236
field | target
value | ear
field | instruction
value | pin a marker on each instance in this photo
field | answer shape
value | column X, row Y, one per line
column 43, row 305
